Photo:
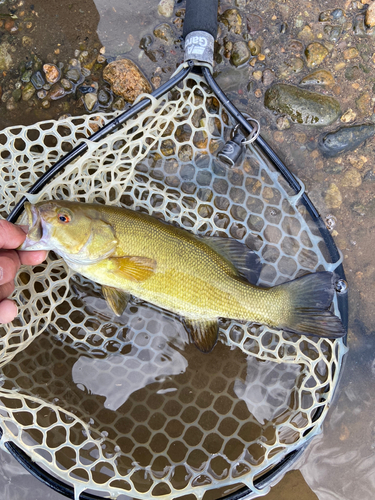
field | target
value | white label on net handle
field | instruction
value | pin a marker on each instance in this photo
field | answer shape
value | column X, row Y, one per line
column 199, row 46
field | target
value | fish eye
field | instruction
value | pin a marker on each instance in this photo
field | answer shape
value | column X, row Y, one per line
column 64, row 218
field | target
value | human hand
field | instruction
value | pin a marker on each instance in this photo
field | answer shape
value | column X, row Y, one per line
column 11, row 237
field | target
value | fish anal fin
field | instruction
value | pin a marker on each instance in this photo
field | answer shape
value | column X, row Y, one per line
column 203, row 333
column 245, row 261
column 116, row 299
column 133, row 268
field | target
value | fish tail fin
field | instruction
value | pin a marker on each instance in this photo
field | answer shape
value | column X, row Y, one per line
column 309, row 299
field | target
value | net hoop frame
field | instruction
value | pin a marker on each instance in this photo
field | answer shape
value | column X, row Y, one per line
column 275, row 472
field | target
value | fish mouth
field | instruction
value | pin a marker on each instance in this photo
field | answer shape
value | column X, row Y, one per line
column 35, row 232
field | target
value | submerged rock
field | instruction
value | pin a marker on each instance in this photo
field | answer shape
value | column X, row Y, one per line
column 165, row 8
column 240, row 53
column 5, row 57
column 302, row 106
column 165, row 32
column 318, row 77
column 28, row 92
column 370, row 15
column 126, row 79
column 52, row 73
column 333, row 197
column 345, row 139
column 232, row 20
column 315, row 54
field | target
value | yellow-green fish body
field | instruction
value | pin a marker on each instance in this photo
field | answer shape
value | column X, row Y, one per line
column 128, row 252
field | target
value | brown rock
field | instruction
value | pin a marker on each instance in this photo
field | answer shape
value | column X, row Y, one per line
column 126, row 79
column 52, row 73
column 370, row 15
column 351, row 53
column 315, row 54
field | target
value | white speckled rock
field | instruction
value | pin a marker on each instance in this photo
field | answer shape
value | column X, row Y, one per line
column 165, row 8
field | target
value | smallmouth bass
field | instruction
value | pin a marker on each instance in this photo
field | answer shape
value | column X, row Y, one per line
column 199, row 279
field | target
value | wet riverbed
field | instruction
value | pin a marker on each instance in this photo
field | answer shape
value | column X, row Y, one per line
column 281, row 42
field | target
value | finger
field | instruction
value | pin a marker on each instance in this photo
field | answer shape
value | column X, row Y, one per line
column 9, row 265
column 11, row 236
column 8, row 311
column 32, row 258
column 6, row 290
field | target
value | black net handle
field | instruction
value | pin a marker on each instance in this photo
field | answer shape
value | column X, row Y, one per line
column 201, row 15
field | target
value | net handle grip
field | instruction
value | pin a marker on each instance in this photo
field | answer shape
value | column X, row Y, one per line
column 201, row 15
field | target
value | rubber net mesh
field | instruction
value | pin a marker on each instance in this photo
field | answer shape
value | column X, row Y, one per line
column 126, row 406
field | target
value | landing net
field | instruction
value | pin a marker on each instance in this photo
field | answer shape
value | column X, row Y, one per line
column 126, row 406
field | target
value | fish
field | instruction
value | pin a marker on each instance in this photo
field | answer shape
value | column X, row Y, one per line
column 200, row 279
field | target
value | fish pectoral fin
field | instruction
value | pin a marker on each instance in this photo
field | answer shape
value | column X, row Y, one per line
column 203, row 333
column 116, row 299
column 134, row 268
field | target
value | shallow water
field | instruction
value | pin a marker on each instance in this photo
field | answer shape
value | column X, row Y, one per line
column 339, row 463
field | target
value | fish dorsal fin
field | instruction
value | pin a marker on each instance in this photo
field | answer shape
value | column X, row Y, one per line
column 134, row 268
column 246, row 262
column 203, row 333
column 116, row 299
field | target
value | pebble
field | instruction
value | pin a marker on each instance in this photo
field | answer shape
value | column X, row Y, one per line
column 37, row 80
column 348, row 116
column 73, row 74
column 232, row 19
column 302, row 106
column 319, row 77
column 118, row 104
column 306, row 34
column 353, row 73
column 345, row 139
column 26, row 75
column 240, row 53
column 351, row 53
column 126, row 79
column 27, row 42
column 5, row 57
column 254, row 47
column 254, row 24
column 165, row 8
column 28, row 91
column 268, row 77
column 42, row 94
column 370, row 15
column 315, row 54
column 66, row 84
column 17, row 94
column 291, row 66
column 363, row 103
column 56, row 92
column 351, row 178
column 165, row 32
column 257, row 75
column 52, row 73
column 90, row 101
column 104, row 97
column 333, row 198
column 46, row 104
column 282, row 123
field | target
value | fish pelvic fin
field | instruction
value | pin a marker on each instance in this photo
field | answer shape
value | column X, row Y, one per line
column 133, row 268
column 203, row 333
column 116, row 299
column 310, row 297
